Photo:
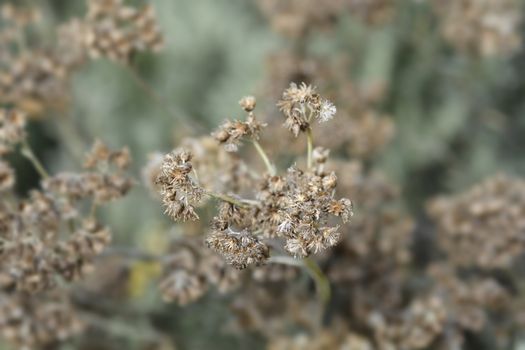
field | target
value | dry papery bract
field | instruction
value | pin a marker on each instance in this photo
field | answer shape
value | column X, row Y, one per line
column 294, row 18
column 295, row 208
column 485, row 226
column 35, row 78
column 487, row 28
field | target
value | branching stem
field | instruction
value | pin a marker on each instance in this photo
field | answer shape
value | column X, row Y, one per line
column 224, row 197
column 322, row 284
column 264, row 157
column 309, row 145
column 30, row 155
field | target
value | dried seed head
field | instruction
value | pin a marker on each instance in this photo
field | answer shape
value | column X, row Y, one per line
column 240, row 249
column 231, row 132
column 247, row 103
column 178, row 190
column 301, row 104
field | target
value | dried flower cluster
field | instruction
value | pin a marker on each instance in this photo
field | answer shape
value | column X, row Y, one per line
column 361, row 130
column 296, row 207
column 36, row 78
column 301, row 105
column 117, row 31
column 483, row 227
column 48, row 238
column 33, row 79
column 189, row 271
column 488, row 28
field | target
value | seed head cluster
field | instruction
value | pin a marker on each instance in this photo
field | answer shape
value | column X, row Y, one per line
column 178, row 190
column 37, row 78
column 297, row 208
column 301, row 105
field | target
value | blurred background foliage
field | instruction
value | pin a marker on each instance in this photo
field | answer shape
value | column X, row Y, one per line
column 458, row 117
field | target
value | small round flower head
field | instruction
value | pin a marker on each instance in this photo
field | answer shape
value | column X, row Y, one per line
column 240, row 249
column 231, row 132
column 327, row 111
column 248, row 103
column 300, row 104
column 177, row 188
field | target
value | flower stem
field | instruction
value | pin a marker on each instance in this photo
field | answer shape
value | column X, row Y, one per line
column 264, row 156
column 224, row 197
column 30, row 155
column 309, row 145
column 322, row 283
column 285, row 260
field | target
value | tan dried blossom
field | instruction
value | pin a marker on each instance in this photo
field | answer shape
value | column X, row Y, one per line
column 116, row 31
column 178, row 190
column 361, row 130
column 239, row 249
column 218, row 169
column 297, row 208
column 483, row 227
column 247, row 103
column 301, row 104
column 231, row 132
column 487, row 28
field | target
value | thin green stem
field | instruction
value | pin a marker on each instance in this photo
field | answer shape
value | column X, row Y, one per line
column 229, row 199
column 322, row 284
column 30, row 155
column 309, row 145
column 264, row 157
